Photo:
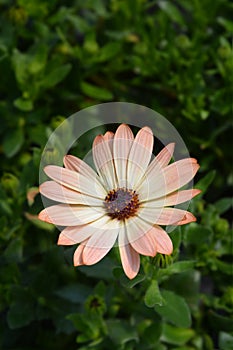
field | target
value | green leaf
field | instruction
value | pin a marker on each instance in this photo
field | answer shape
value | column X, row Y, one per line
column 172, row 11
column 174, row 310
column 204, row 183
column 14, row 251
column 55, row 76
column 152, row 333
column 219, row 322
column 76, row 293
column 23, row 104
column 96, row 92
column 20, row 314
column 12, row 142
column 109, row 51
column 197, row 234
column 225, row 341
column 176, row 336
column 180, row 266
column 153, row 296
column 121, row 332
column 223, row 204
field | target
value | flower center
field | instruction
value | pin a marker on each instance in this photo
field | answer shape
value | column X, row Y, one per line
column 121, row 203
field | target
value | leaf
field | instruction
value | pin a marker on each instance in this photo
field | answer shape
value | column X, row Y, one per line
column 121, row 332
column 20, row 314
column 176, row 336
column 172, row 11
column 110, row 50
column 12, row 142
column 223, row 204
column 24, row 105
column 76, row 293
column 55, row 76
column 153, row 296
column 96, row 92
column 152, row 333
column 197, row 234
column 225, row 341
column 204, row 183
column 174, row 310
column 219, row 322
column 14, row 251
column 180, row 266
column 102, row 269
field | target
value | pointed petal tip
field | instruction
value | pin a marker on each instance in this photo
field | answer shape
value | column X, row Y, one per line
column 98, row 139
column 196, row 191
column 132, row 274
column 147, row 129
column 124, row 131
column 188, row 217
column 63, row 240
column 43, row 216
column 108, row 135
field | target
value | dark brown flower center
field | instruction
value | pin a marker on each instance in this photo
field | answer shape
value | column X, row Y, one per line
column 121, row 203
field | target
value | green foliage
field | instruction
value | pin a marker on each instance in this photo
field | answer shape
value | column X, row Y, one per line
column 59, row 57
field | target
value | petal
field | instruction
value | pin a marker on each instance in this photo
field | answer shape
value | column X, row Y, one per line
column 139, row 156
column 172, row 199
column 162, row 216
column 78, row 165
column 123, row 140
column 63, row 240
column 174, row 176
column 59, row 193
column 67, row 215
column 159, row 162
column 141, row 238
column 78, row 254
column 163, row 158
column 77, row 234
column 103, row 160
column 76, row 181
column 130, row 259
column 188, row 217
column 164, row 243
column 100, row 243
column 108, row 136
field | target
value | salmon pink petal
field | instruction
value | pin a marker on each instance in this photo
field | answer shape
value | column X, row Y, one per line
column 67, row 215
column 123, row 141
column 130, row 259
column 78, row 254
column 79, row 166
column 158, row 163
column 164, row 243
column 108, row 137
column 162, row 216
column 141, row 237
column 163, row 158
column 100, row 243
column 59, row 193
column 188, row 217
column 64, row 240
column 76, row 181
column 168, row 180
column 139, row 156
column 172, row 199
column 103, row 160
column 79, row 233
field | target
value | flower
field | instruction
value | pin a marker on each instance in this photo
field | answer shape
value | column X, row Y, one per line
column 126, row 201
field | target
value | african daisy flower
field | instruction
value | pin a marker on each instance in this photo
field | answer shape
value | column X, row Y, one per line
column 126, row 201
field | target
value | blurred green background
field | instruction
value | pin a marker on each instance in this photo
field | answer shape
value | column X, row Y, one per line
column 58, row 57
